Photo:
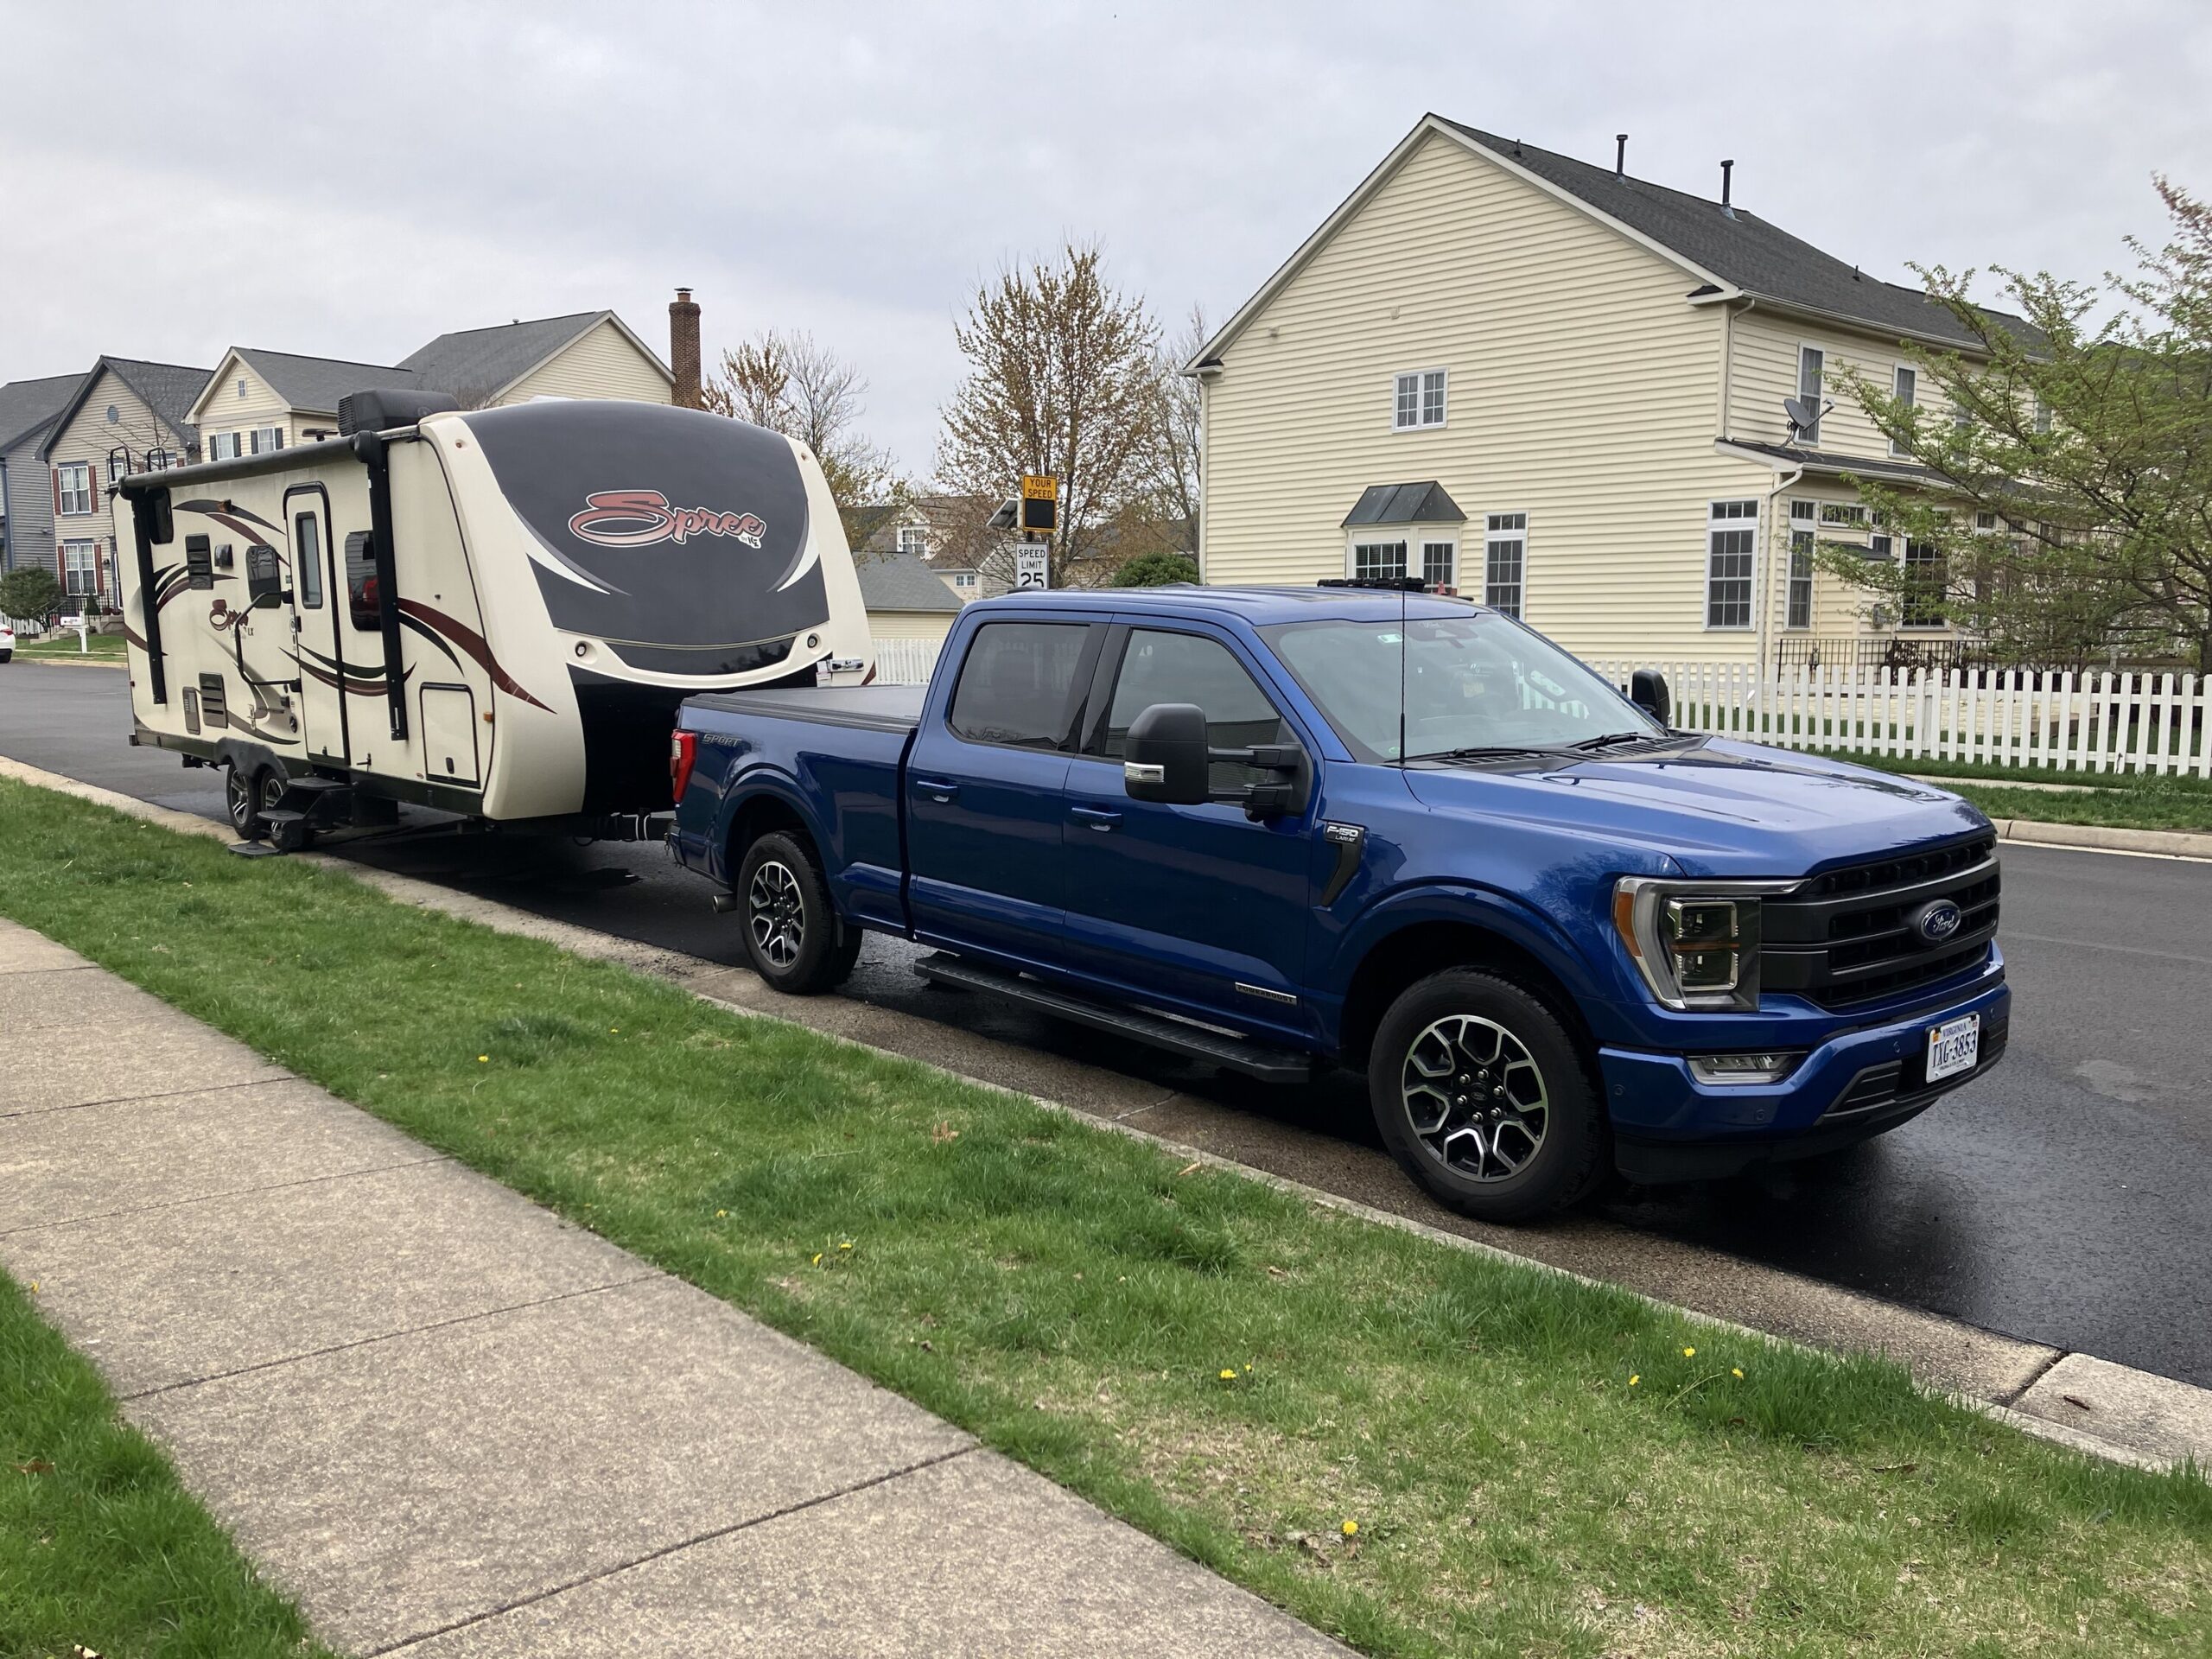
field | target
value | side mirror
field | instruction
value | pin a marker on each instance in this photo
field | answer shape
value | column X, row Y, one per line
column 1647, row 689
column 271, row 602
column 1164, row 758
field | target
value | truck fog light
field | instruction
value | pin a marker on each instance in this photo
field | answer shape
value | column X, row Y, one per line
column 1743, row 1068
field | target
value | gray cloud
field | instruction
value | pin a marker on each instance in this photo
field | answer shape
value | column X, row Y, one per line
column 176, row 180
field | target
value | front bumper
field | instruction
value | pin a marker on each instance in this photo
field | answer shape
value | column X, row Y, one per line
column 1669, row 1127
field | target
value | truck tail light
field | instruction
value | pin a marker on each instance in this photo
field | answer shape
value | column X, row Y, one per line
column 682, row 755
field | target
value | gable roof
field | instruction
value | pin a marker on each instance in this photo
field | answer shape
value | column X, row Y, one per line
column 485, row 362
column 26, row 406
column 313, row 384
column 1732, row 253
column 900, row 581
column 1404, row 504
column 168, row 389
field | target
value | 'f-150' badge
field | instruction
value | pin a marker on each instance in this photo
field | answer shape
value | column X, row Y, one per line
column 641, row 518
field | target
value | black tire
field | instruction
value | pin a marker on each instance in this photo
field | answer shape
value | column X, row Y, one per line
column 242, row 790
column 1518, row 1128
column 793, row 935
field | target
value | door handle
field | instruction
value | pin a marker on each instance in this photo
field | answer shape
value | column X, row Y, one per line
column 937, row 788
column 1098, row 817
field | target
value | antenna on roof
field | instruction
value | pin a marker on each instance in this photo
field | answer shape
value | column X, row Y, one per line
column 1727, row 167
column 1620, row 154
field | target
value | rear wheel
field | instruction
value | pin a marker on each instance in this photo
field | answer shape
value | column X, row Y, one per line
column 792, row 933
column 242, row 799
column 1484, row 1098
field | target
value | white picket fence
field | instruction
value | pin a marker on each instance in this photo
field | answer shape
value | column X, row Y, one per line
column 2139, row 722
column 906, row 662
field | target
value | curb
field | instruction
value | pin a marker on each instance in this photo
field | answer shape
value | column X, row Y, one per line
column 2165, row 1423
column 72, row 660
column 2105, row 838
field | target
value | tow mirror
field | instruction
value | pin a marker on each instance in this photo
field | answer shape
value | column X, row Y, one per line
column 1165, row 757
column 1647, row 689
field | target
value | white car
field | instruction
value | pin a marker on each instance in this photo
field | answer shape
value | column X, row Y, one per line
column 7, row 642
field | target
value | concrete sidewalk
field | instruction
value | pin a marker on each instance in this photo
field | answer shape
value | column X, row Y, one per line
column 450, row 1423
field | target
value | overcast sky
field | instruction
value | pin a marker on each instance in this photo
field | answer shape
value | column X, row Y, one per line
column 349, row 182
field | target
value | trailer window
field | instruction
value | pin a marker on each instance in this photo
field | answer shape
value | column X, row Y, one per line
column 361, row 582
column 1015, row 685
column 307, row 560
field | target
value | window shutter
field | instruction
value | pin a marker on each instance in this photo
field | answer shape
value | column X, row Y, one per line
column 56, row 473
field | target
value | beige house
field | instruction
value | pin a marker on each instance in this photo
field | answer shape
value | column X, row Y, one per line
column 950, row 535
column 904, row 598
column 124, row 415
column 258, row 400
column 1560, row 389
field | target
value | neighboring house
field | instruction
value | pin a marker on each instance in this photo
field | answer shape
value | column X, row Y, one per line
column 258, row 400
column 951, row 534
column 27, row 412
column 125, row 416
column 1559, row 389
column 904, row 598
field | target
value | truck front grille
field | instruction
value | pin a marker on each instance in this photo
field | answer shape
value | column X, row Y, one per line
column 1851, row 936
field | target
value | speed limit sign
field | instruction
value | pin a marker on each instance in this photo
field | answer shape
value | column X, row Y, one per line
column 1033, row 567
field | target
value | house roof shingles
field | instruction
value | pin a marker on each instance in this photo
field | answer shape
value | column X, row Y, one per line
column 317, row 383
column 1425, row 503
column 168, row 389
column 1738, row 246
column 480, row 362
column 26, row 406
column 900, row 581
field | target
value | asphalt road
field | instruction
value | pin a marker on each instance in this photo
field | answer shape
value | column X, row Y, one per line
column 2066, row 1200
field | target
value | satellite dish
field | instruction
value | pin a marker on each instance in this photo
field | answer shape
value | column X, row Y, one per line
column 1804, row 414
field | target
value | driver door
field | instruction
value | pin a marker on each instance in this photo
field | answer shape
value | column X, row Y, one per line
column 316, row 650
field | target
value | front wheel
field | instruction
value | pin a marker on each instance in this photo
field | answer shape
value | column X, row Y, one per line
column 242, row 799
column 792, row 933
column 1483, row 1097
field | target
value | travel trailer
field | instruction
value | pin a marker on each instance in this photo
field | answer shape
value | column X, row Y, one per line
column 494, row 612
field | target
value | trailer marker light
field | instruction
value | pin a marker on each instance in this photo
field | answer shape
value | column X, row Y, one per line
column 682, row 755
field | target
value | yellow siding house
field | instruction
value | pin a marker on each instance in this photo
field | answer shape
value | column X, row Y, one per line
column 1559, row 389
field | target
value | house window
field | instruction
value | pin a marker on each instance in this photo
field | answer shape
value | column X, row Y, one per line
column 241, row 388
column 915, row 539
column 80, row 560
column 1378, row 561
column 1878, row 546
column 1904, row 387
column 1812, row 362
column 964, row 580
column 223, row 446
column 267, row 440
column 1437, row 559
column 1418, row 401
column 1985, row 521
column 2042, row 416
column 1839, row 512
column 114, row 414
column 1505, row 557
column 1923, row 601
column 72, row 487
column 1801, row 538
column 1731, row 541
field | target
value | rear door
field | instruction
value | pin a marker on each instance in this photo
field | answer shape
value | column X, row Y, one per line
column 986, row 785
column 317, row 650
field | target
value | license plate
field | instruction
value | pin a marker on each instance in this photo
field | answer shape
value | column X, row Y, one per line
column 1953, row 1046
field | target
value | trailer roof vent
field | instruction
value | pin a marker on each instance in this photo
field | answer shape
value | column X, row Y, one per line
column 381, row 411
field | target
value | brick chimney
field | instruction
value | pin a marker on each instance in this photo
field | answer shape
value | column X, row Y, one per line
column 683, row 348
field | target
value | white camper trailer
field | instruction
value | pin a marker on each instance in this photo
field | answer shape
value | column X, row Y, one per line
column 494, row 612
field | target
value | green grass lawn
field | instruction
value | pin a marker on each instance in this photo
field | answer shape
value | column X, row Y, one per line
column 63, row 643
column 2126, row 800
column 100, row 1549
column 1533, row 1466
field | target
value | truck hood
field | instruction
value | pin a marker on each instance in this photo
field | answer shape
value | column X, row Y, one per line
column 1716, row 808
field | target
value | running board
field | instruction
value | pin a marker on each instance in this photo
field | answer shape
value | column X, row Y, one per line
column 1193, row 1042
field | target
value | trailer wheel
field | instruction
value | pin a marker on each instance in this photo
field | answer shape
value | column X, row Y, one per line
column 242, row 793
column 793, row 935
column 1483, row 1097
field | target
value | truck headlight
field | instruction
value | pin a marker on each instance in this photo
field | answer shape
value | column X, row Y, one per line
column 1696, row 943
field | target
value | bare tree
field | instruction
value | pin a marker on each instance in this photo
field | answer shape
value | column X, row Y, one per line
column 1064, row 379
column 792, row 385
column 1177, row 461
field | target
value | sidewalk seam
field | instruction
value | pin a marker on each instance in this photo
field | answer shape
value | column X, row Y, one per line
column 708, row 1537
column 2041, row 1371
column 164, row 1094
column 390, row 1336
column 228, row 1192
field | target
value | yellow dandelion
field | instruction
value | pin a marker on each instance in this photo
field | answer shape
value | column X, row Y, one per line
column 845, row 1244
column 1633, row 1381
column 719, row 1214
column 1229, row 1376
column 1351, row 1528
column 1689, row 1353
column 483, row 1059
column 1247, row 1367
column 1736, row 1371
column 615, row 1030
column 817, row 1258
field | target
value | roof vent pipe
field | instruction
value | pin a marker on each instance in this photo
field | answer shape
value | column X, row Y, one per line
column 1727, row 167
column 1620, row 154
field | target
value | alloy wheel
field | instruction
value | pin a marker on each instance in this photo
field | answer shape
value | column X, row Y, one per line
column 1475, row 1097
column 238, row 800
column 776, row 915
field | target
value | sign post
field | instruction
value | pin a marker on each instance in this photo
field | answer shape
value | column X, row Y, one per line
column 1039, row 516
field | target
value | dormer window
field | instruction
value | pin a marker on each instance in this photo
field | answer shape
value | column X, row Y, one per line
column 914, row 539
column 1418, row 400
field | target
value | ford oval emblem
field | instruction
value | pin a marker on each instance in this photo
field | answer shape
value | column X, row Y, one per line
column 1938, row 920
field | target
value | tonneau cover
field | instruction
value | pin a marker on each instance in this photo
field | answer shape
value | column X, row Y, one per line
column 872, row 707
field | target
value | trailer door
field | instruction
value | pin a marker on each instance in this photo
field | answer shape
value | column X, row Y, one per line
column 318, row 643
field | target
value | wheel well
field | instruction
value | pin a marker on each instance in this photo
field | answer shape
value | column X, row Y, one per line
column 763, row 814
column 1396, row 962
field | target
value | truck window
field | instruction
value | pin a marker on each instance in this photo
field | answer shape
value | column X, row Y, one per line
column 1162, row 667
column 1015, row 685
column 307, row 560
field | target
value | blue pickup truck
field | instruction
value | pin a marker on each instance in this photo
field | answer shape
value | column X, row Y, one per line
column 1281, row 828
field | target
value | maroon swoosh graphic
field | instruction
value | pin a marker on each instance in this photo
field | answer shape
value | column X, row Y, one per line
column 472, row 642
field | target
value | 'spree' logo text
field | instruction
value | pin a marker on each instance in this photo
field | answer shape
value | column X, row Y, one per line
column 640, row 517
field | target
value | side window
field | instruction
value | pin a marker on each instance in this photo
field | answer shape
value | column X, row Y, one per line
column 1161, row 667
column 361, row 582
column 307, row 560
column 1014, row 687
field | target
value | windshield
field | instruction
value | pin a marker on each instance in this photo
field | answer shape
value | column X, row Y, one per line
column 1473, row 682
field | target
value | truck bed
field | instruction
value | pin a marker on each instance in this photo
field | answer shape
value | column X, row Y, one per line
column 865, row 707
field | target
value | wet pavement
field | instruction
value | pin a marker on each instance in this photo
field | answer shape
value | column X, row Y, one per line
column 2066, row 1200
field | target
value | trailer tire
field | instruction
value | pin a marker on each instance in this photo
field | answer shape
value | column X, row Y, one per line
column 1486, row 1100
column 793, row 935
column 242, row 791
